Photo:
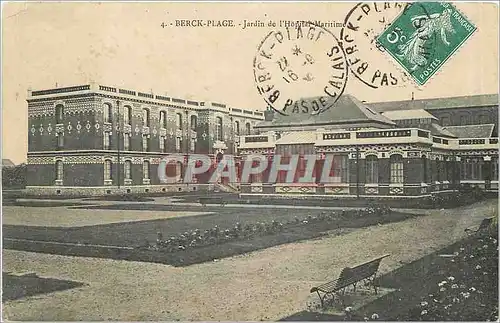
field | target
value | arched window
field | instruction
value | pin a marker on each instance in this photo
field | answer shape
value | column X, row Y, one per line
column 108, row 112
column 145, row 117
column 371, row 169
column 178, row 121
column 396, row 162
column 145, row 169
column 59, row 113
column 59, row 170
column 248, row 130
column 237, row 127
column 194, row 122
column 127, row 115
column 445, row 121
column 163, row 119
column 107, row 169
column 218, row 129
column 128, row 169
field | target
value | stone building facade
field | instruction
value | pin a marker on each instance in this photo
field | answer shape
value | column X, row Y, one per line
column 97, row 139
column 405, row 149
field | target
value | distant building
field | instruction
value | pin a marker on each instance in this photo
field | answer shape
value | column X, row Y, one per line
column 96, row 139
column 390, row 149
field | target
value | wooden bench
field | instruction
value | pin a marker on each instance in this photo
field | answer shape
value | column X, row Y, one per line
column 484, row 227
column 215, row 200
column 350, row 277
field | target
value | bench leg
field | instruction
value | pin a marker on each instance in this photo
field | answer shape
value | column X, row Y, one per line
column 320, row 298
column 373, row 284
column 342, row 302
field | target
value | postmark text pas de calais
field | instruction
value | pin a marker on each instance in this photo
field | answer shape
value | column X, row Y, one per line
column 425, row 36
column 295, row 63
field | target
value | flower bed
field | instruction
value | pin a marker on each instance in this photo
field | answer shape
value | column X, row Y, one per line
column 197, row 238
column 456, row 199
column 463, row 286
column 469, row 291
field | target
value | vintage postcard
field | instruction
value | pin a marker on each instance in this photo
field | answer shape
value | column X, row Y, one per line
column 250, row 161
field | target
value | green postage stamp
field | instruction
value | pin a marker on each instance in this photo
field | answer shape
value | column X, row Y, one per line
column 424, row 36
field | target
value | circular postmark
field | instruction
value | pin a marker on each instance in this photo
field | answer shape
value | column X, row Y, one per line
column 365, row 56
column 300, row 69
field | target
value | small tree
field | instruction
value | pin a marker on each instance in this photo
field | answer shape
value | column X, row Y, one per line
column 14, row 177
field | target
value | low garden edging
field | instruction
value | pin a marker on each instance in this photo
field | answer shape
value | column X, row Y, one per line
column 196, row 238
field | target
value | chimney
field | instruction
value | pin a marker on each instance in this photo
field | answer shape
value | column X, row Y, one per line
column 269, row 114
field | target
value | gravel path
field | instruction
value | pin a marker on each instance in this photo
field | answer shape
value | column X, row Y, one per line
column 264, row 285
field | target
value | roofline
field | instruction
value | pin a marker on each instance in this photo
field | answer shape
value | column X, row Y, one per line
column 468, row 125
column 428, row 99
column 325, row 124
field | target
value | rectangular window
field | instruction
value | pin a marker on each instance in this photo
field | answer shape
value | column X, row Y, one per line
column 257, row 178
column 60, row 140
column 145, row 117
column 477, row 169
column 59, row 170
column 162, row 144
column 282, row 175
column 339, row 169
column 107, row 170
column 425, row 171
column 128, row 166
column 163, row 119
column 178, row 121
column 218, row 129
column 59, row 114
column 178, row 143
column 145, row 143
column 396, row 169
column 371, row 170
column 145, row 170
column 471, row 169
column 107, row 113
column 494, row 169
column 193, row 144
column 107, row 140
column 194, row 121
column 126, row 141
column 127, row 115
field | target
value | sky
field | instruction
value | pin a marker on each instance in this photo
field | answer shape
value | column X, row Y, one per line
column 124, row 45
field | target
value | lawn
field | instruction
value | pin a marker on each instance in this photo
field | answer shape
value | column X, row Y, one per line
column 20, row 286
column 128, row 240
